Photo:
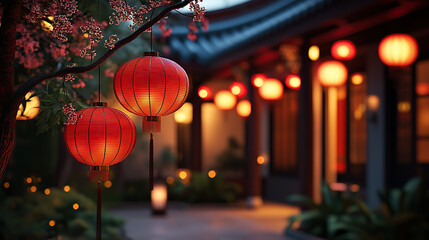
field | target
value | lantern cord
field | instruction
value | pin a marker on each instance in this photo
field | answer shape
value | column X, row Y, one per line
column 151, row 29
column 99, row 83
column 151, row 163
column 98, row 226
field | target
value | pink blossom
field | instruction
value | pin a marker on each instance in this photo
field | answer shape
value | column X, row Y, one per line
column 70, row 114
column 109, row 73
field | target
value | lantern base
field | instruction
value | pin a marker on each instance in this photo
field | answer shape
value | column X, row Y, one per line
column 151, row 124
column 99, row 173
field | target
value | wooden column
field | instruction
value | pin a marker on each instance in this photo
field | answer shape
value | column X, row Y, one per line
column 196, row 138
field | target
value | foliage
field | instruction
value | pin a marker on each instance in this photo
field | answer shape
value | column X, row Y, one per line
column 201, row 188
column 403, row 214
column 232, row 158
column 28, row 217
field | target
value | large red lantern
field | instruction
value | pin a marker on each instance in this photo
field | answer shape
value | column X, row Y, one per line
column 332, row 74
column 398, row 50
column 343, row 50
column 101, row 136
column 151, row 87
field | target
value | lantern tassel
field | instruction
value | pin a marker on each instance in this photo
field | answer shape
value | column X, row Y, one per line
column 151, row 163
column 98, row 225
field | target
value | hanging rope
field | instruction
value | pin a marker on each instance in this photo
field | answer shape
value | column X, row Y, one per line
column 151, row 163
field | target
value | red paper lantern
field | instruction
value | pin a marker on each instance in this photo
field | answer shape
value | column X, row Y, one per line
column 258, row 80
column 293, row 82
column 238, row 89
column 151, row 87
column 398, row 50
column 101, row 136
column 343, row 50
column 205, row 93
column 271, row 90
column 332, row 74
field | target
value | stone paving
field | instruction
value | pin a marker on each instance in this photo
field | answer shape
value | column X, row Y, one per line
column 203, row 222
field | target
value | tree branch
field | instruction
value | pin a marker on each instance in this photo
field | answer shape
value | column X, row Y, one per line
column 33, row 81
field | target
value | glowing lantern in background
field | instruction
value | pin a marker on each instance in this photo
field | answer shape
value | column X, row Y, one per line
column 258, row 80
column 343, row 50
column 151, row 87
column 244, row 108
column 398, row 50
column 313, row 53
column 293, row 82
column 357, row 78
column 158, row 198
column 332, row 74
column 271, row 90
column 184, row 114
column 101, row 137
column 205, row 93
column 224, row 100
column 31, row 109
column 422, row 88
column 238, row 89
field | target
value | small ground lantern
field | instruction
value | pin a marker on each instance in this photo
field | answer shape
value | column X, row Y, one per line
column 31, row 109
column 100, row 137
column 398, row 50
column 271, row 90
column 225, row 100
column 151, row 86
column 158, row 198
column 343, row 50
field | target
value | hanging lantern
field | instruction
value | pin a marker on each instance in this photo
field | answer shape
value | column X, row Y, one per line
column 31, row 109
column 244, row 108
column 151, row 87
column 398, row 50
column 101, row 137
column 343, row 50
column 313, row 53
column 357, row 78
column 422, row 88
column 238, row 89
column 224, row 100
column 258, row 80
column 293, row 82
column 332, row 74
column 271, row 90
column 205, row 93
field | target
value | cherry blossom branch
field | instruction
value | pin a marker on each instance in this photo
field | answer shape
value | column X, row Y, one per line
column 33, row 81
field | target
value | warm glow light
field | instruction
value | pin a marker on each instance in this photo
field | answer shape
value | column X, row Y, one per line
column 183, row 175
column 107, row 184
column 212, row 174
column 170, row 180
column 205, row 93
column 159, row 196
column 224, row 100
column 29, row 180
column 422, row 88
column 271, row 90
column 52, row 223
column 6, row 184
column 260, row 160
column 343, row 50
column 32, row 104
column 293, row 82
column 373, row 103
column 258, row 80
column 338, row 187
column 313, row 53
column 66, row 188
column 244, row 108
column 47, row 191
column 47, row 25
column 184, row 114
column 398, row 50
column 33, row 189
column 76, row 206
column 357, row 78
column 238, row 89
column 404, row 107
column 354, row 188
column 332, row 74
